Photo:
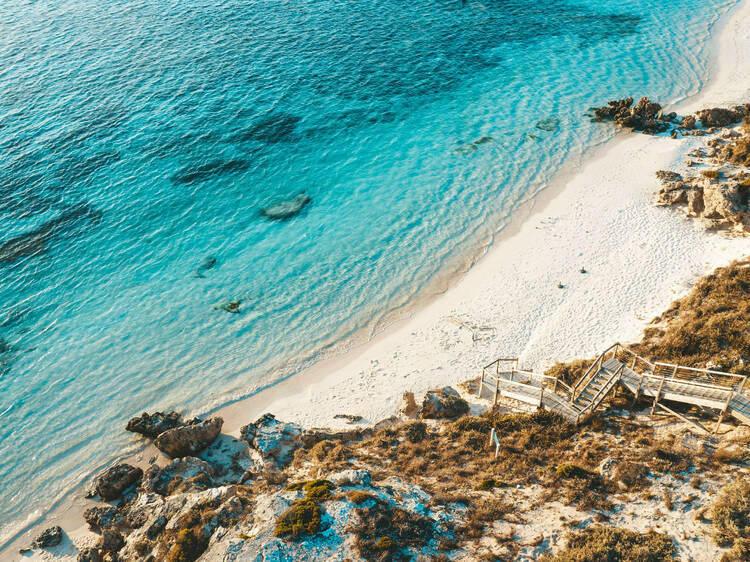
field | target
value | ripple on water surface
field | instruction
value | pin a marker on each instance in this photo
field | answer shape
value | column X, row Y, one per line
column 139, row 143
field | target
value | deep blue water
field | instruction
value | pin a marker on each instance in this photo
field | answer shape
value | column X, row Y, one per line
column 139, row 137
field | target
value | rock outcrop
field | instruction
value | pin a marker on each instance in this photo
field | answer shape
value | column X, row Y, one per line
column 443, row 403
column 151, row 425
column 101, row 516
column 274, row 440
column 184, row 474
column 647, row 116
column 189, row 440
column 720, row 117
column 116, row 479
column 49, row 537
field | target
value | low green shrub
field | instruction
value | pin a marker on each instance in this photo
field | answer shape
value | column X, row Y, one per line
column 303, row 518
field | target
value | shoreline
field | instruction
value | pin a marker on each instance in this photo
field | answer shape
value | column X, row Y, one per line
column 428, row 344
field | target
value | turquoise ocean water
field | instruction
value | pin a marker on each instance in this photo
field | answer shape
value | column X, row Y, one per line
column 139, row 137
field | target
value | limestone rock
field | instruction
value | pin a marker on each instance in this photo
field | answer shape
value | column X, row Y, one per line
column 151, row 425
column 116, row 479
column 351, row 477
column 408, row 407
column 101, row 516
column 647, row 116
column 180, row 473
column 718, row 117
column 443, row 403
column 189, row 439
column 49, row 537
column 111, row 540
column 667, row 176
column 89, row 554
column 274, row 440
column 607, row 468
column 723, row 201
column 688, row 122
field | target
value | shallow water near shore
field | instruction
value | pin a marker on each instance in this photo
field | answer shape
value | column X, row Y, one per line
column 415, row 130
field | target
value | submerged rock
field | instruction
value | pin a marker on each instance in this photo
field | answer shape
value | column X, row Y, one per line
column 190, row 439
column 550, row 124
column 49, row 537
column 443, row 403
column 206, row 264
column 116, row 479
column 232, row 306
column 274, row 440
column 151, row 425
column 287, row 209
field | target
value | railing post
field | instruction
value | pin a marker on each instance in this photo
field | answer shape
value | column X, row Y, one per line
column 658, row 392
column 497, row 388
column 541, row 397
column 721, row 414
column 481, row 384
column 742, row 385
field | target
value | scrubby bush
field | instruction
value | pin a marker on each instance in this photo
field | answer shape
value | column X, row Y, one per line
column 317, row 490
column 189, row 545
column 711, row 174
column 415, row 431
column 599, row 544
column 730, row 513
column 359, row 496
column 570, row 470
column 301, row 519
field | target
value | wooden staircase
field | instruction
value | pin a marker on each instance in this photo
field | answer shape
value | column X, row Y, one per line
column 618, row 364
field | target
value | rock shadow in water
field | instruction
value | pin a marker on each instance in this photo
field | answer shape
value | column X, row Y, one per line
column 36, row 241
column 272, row 129
column 196, row 174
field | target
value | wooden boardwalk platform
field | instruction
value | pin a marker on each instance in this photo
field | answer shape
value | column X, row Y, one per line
column 705, row 388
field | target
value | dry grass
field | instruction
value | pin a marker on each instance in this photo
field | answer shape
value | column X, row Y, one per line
column 730, row 513
column 711, row 174
column 611, row 544
column 382, row 530
column 709, row 325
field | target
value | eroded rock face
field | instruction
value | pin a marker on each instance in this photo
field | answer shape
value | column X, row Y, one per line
column 719, row 117
column 274, row 440
column 116, row 479
column 101, row 516
column 111, row 540
column 408, row 407
column 49, row 537
column 151, row 425
column 189, row 440
column 647, row 116
column 180, row 473
column 89, row 554
column 443, row 403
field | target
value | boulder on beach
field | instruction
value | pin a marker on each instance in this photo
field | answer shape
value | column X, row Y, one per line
column 189, row 440
column 100, row 516
column 443, row 403
column 719, row 117
column 287, row 209
column 274, row 440
column 646, row 116
column 49, row 537
column 151, row 425
column 116, row 479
